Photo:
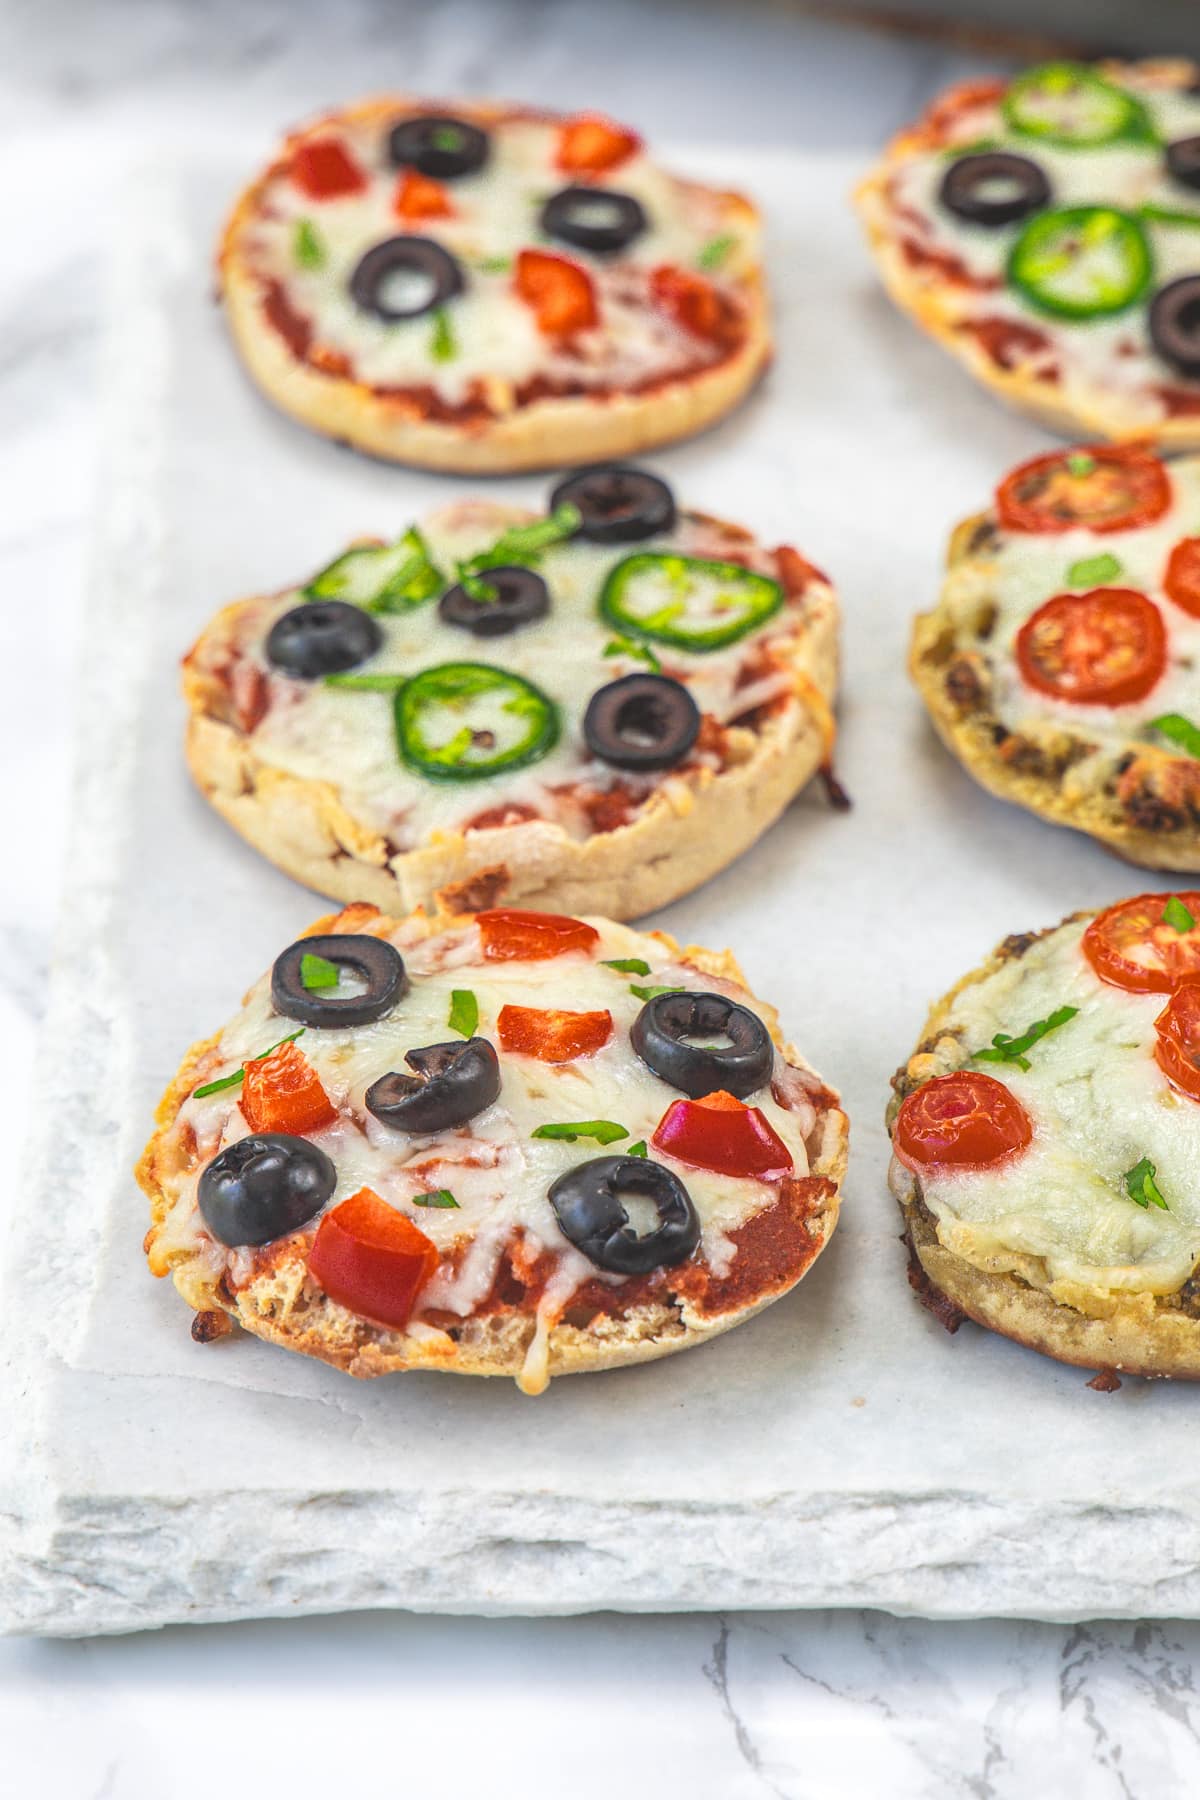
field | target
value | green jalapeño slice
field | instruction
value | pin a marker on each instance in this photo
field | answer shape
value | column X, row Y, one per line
column 382, row 577
column 687, row 601
column 465, row 721
column 1070, row 105
column 1081, row 262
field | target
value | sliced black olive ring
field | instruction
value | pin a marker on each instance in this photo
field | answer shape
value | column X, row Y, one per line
column 587, row 1204
column 404, row 278
column 519, row 596
column 264, row 1186
column 322, row 637
column 618, row 505
column 453, row 1082
column 592, row 218
column 375, row 963
column 641, row 722
column 1183, row 161
column 1175, row 324
column 660, row 1036
column 438, row 145
column 993, row 187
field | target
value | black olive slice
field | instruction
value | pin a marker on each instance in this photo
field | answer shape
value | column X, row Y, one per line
column 994, row 188
column 660, row 1036
column 1175, row 324
column 264, row 1186
column 641, row 722
column 619, row 505
column 1183, row 161
column 439, row 145
column 593, row 218
column 322, row 637
column 520, row 596
column 453, row 1082
column 587, row 1204
column 374, row 962
column 404, row 278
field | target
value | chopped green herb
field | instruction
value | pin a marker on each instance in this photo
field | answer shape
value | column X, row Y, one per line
column 476, row 586
column 627, row 965
column 464, row 1012
column 317, row 972
column 1181, row 731
column 1141, row 1186
column 445, row 137
column 652, row 993
column 525, row 543
column 368, row 684
column 1080, row 463
column 415, row 581
column 1093, row 571
column 1177, row 916
column 1006, row 1049
column 603, row 1130
column 228, row 1081
column 307, row 247
column 623, row 646
column 439, row 1197
column 443, row 347
column 716, row 251
column 638, row 1149
column 495, row 265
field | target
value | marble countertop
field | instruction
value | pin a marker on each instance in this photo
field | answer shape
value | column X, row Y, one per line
column 795, row 1705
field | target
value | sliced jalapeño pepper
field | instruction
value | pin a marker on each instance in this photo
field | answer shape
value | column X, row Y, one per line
column 384, row 578
column 1068, row 104
column 1081, row 262
column 687, row 601
column 465, row 721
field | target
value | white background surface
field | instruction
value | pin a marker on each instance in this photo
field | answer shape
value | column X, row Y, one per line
column 798, row 1705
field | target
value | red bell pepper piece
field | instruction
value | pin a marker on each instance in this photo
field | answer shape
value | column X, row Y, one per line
column 692, row 302
column 721, row 1133
column 511, row 935
column 419, row 197
column 551, row 1036
column 283, row 1092
column 591, row 144
column 559, row 291
column 370, row 1258
column 325, row 170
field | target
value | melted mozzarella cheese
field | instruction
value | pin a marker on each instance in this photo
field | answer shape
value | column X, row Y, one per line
column 1098, row 1103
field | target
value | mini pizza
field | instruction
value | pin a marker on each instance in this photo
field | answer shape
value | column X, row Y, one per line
column 1046, row 231
column 596, row 709
column 1061, row 664
column 1046, row 1136
column 492, row 288
column 510, row 1143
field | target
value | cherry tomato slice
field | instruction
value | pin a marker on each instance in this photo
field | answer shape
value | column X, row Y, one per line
column 559, row 291
column 693, row 303
column 960, row 1121
column 417, row 196
column 1132, row 946
column 721, row 1133
column 283, row 1092
column 1182, row 579
column 370, row 1258
column 550, row 1035
column 591, row 144
column 1103, row 648
column 511, row 935
column 325, row 170
column 1107, row 487
column 1177, row 1029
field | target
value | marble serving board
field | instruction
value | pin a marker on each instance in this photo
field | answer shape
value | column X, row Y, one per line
column 841, row 1450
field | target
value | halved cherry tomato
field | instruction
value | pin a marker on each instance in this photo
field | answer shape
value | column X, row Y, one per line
column 1177, row 1029
column 511, row 935
column 370, row 1258
column 1182, row 579
column 1103, row 648
column 417, row 196
column 591, row 144
column 722, row 1133
column 552, row 1036
column 961, row 1121
column 1107, row 487
column 325, row 170
column 283, row 1092
column 1132, row 946
column 559, row 291
column 693, row 303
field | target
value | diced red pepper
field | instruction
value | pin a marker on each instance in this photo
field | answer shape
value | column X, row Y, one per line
column 591, row 144
column 551, row 1036
column 419, row 197
column 325, row 170
column 692, row 302
column 370, row 1258
column 722, row 1133
column 511, row 935
column 559, row 291
column 283, row 1092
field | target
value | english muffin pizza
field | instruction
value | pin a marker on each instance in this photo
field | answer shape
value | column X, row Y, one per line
column 509, row 1143
column 488, row 287
column 592, row 709
column 1046, row 1140
column 1062, row 661
column 1046, row 231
